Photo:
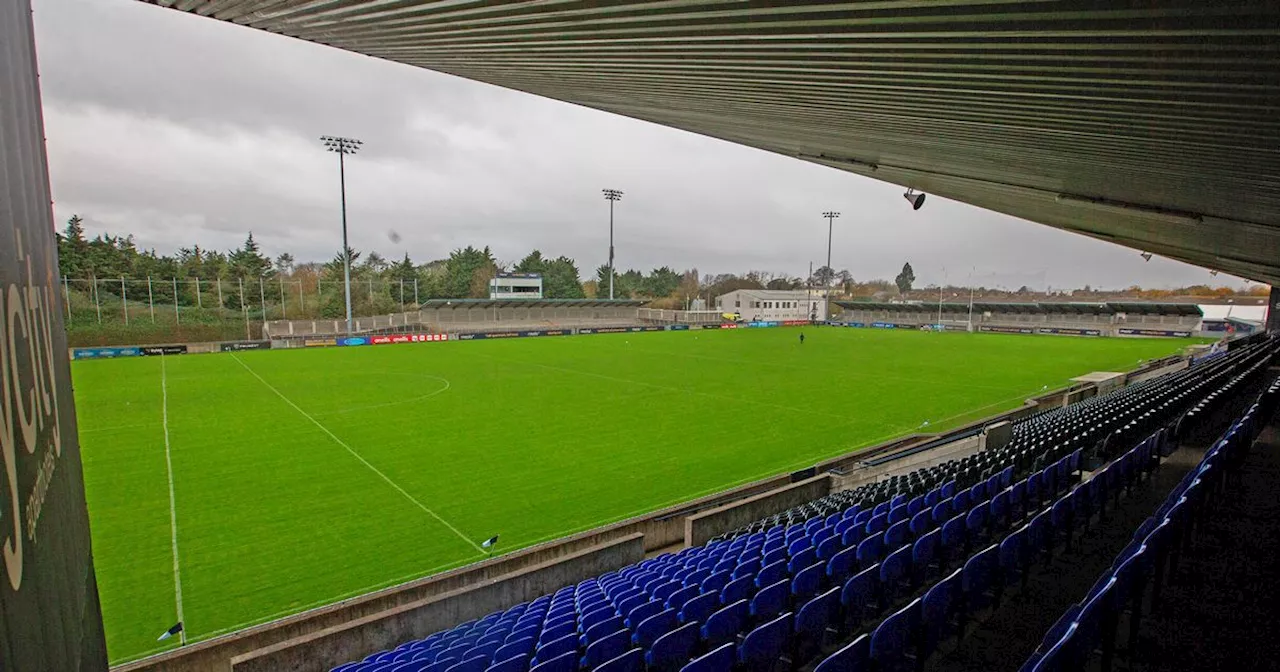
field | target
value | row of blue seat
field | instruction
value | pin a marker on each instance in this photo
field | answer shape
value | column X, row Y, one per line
column 912, row 632
column 1091, row 626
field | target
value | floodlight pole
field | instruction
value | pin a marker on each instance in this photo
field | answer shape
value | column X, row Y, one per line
column 343, row 146
column 830, row 215
column 611, row 195
column 940, row 287
column 971, row 272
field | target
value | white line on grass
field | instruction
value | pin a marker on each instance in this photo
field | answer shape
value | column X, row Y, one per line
column 173, row 509
column 356, row 455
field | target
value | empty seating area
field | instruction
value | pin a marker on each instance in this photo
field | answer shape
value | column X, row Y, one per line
column 1105, row 624
column 870, row 578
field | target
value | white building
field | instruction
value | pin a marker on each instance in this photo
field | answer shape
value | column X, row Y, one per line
column 774, row 304
column 516, row 286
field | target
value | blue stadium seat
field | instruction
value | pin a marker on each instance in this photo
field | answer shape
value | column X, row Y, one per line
column 921, row 523
column 860, row 596
column 516, row 663
column 764, row 646
column 891, row 640
column 556, row 648
column 878, row 523
column 564, row 663
column 657, row 625
column 954, row 539
column 1013, row 557
column 770, row 601
column 638, row 614
column 811, row 623
column 981, row 587
column 895, row 574
column 776, row 555
column 606, row 648
column 718, row 659
column 937, row 609
column 829, row 547
column 771, row 574
column 715, row 582
column 671, row 651
column 924, row 554
column 739, row 589
column 841, row 564
column 802, row 559
column 512, row 649
column 677, row 599
column 899, row 514
column 807, row 582
column 723, row 625
column 631, row 661
column 871, row 549
column 897, row 535
column 853, row 535
column 942, row 511
column 697, row 609
column 601, row 629
column 853, row 657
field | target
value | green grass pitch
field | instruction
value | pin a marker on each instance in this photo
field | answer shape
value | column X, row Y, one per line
column 301, row 477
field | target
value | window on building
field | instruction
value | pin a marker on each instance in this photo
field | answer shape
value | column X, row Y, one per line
column 737, row 303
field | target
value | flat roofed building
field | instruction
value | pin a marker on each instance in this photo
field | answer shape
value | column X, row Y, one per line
column 516, row 286
column 774, row 304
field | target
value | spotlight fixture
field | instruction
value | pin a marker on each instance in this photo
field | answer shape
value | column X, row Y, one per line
column 915, row 199
column 1146, row 256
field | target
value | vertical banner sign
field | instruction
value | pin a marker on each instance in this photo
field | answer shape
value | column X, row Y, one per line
column 49, row 613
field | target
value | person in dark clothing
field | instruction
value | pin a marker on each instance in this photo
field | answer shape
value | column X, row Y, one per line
column 802, row 338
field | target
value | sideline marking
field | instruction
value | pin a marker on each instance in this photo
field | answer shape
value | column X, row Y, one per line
column 173, row 510
column 356, row 455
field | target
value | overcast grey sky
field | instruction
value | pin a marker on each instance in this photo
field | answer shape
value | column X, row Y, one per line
column 185, row 130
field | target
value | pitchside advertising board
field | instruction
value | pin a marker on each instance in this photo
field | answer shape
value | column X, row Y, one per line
column 239, row 346
column 408, row 338
column 1154, row 332
column 49, row 611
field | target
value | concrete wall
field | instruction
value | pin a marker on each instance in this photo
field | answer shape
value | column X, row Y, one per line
column 352, row 641
column 50, row 618
column 1158, row 371
column 702, row 527
column 869, row 474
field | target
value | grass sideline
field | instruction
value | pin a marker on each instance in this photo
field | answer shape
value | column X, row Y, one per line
column 303, row 477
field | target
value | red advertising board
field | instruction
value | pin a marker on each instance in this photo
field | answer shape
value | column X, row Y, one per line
column 794, row 323
column 728, row 325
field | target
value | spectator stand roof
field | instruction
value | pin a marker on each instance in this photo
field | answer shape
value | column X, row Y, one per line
column 530, row 303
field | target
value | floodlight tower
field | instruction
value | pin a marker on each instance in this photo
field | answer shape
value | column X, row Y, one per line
column 831, row 216
column 343, row 147
column 611, row 195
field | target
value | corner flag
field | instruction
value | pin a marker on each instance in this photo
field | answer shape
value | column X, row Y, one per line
column 177, row 627
column 490, row 542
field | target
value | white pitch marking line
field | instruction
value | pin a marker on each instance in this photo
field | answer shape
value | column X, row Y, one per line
column 356, row 455
column 173, row 509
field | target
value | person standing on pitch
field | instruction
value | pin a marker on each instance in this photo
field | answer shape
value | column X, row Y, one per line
column 802, row 338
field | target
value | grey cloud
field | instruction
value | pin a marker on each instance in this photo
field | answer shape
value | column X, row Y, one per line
column 186, row 130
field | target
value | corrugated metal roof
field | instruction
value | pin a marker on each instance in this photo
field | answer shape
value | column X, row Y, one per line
column 1154, row 125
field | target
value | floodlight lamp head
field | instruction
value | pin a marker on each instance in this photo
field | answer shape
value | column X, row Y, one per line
column 612, row 194
column 1146, row 256
column 915, row 199
column 831, row 214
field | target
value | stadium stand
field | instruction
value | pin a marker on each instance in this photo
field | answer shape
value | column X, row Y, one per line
column 473, row 315
column 1107, row 319
column 886, row 571
column 1094, row 626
